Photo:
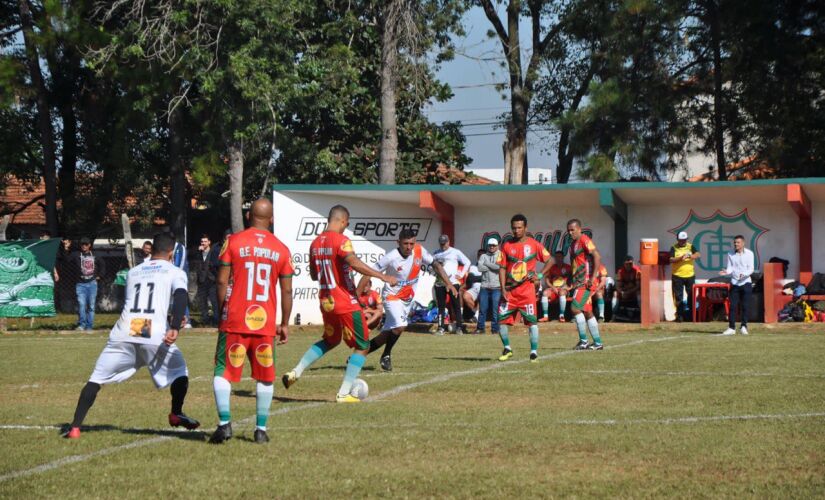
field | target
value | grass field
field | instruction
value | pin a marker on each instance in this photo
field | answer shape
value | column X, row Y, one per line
column 672, row 411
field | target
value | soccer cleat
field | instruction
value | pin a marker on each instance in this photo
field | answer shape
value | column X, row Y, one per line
column 221, row 434
column 601, row 319
column 506, row 354
column 440, row 331
column 261, row 437
column 743, row 330
column 581, row 346
column 594, row 347
column 561, row 319
column 729, row 331
column 544, row 319
column 346, row 398
column 73, row 433
column 290, row 378
column 534, row 357
column 386, row 363
column 181, row 420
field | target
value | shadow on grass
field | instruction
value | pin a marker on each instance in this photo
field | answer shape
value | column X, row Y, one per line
column 338, row 367
column 463, row 358
column 196, row 435
column 282, row 399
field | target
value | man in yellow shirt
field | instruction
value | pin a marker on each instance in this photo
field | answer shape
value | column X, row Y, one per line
column 683, row 275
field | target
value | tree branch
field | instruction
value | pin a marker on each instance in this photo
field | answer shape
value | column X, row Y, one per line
column 490, row 12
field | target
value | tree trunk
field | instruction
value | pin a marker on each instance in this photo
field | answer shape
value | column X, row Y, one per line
column 44, row 121
column 235, row 187
column 389, row 63
column 177, row 177
column 718, row 124
column 565, row 166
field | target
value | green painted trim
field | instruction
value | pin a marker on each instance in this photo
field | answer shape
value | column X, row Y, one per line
column 615, row 207
column 582, row 186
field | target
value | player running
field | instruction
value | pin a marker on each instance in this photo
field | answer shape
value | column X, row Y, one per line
column 583, row 285
column 142, row 337
column 255, row 261
column 331, row 258
column 404, row 264
column 556, row 285
column 518, row 278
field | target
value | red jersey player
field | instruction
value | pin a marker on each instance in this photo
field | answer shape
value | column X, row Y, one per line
column 556, row 285
column 370, row 300
column 584, row 258
column 331, row 258
column 517, row 274
column 255, row 260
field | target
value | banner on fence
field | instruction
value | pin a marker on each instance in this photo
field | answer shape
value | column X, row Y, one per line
column 26, row 278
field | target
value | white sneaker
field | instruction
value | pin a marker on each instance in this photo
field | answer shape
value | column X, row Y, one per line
column 729, row 331
column 187, row 326
column 743, row 330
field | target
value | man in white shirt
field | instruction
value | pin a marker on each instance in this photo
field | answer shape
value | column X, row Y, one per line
column 739, row 268
column 404, row 263
column 143, row 337
column 452, row 259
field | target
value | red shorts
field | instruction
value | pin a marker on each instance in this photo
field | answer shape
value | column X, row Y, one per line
column 551, row 295
column 233, row 348
column 581, row 298
column 351, row 326
column 522, row 300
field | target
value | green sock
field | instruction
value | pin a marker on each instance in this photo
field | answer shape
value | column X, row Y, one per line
column 534, row 337
column 505, row 337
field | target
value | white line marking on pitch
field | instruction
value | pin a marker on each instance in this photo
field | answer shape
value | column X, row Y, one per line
column 610, row 422
column 387, row 394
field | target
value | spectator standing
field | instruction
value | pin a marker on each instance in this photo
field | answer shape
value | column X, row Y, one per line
column 683, row 275
column 206, row 278
column 740, row 267
column 90, row 270
column 451, row 258
column 490, row 294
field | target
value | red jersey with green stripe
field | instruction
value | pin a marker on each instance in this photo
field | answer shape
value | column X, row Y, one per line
column 257, row 259
column 519, row 259
column 336, row 289
column 580, row 262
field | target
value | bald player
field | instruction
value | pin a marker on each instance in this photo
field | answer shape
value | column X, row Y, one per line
column 255, row 261
column 331, row 260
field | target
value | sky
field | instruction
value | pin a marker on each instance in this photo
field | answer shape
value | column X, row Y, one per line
column 472, row 75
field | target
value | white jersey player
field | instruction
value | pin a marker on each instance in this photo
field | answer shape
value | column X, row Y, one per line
column 142, row 336
column 405, row 264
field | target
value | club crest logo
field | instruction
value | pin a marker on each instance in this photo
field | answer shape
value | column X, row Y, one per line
column 713, row 236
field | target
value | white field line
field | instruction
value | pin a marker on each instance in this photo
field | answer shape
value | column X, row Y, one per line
column 387, row 394
column 430, row 425
column 640, row 373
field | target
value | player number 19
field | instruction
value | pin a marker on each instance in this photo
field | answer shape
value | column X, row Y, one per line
column 257, row 273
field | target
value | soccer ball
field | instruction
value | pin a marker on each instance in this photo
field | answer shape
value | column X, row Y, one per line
column 360, row 389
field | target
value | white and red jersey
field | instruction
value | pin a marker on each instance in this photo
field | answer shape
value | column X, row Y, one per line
column 406, row 270
column 258, row 260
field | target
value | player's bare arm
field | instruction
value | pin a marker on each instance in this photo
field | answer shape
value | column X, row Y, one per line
column 282, row 330
column 222, row 284
column 358, row 266
column 439, row 270
column 502, row 279
column 597, row 261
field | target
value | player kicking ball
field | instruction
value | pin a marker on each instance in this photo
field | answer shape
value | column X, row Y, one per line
column 404, row 264
column 584, row 259
column 518, row 278
column 255, row 261
column 331, row 258
column 142, row 337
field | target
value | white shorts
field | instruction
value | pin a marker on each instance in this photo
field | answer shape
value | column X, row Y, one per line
column 474, row 291
column 396, row 314
column 120, row 360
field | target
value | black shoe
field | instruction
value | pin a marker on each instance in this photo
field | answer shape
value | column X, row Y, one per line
column 581, row 346
column 534, row 357
column 594, row 347
column 181, row 420
column 261, row 437
column 386, row 363
column 221, row 434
